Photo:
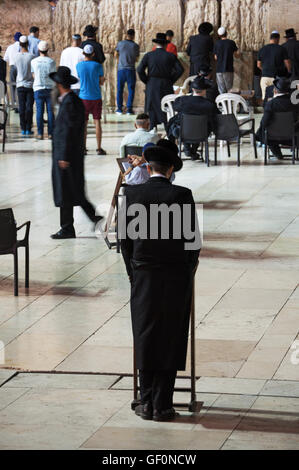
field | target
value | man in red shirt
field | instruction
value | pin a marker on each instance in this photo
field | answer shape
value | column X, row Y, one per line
column 170, row 46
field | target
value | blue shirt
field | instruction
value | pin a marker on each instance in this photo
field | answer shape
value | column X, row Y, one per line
column 89, row 73
column 33, row 45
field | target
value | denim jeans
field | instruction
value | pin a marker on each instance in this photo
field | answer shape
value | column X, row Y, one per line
column 43, row 97
column 26, row 100
column 125, row 76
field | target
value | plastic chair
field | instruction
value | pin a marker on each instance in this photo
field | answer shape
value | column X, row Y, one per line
column 166, row 105
column 282, row 128
column 186, row 84
column 9, row 243
column 231, row 103
column 194, row 130
column 3, row 121
column 228, row 128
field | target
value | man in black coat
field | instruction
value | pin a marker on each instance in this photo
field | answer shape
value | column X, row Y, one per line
column 200, row 48
column 163, row 70
column 280, row 103
column 161, row 265
column 90, row 34
column 68, row 155
column 292, row 47
column 197, row 104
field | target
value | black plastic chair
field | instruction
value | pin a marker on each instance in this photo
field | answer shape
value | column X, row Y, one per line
column 133, row 150
column 194, row 130
column 9, row 243
column 228, row 128
column 3, row 121
column 282, row 128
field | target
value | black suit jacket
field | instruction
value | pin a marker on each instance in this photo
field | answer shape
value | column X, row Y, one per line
column 160, row 252
column 280, row 104
column 292, row 47
column 197, row 105
column 200, row 48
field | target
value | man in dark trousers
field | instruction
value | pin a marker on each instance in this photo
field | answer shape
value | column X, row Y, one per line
column 163, row 70
column 90, row 33
column 68, row 155
column 292, row 47
column 198, row 104
column 161, row 271
column 280, row 103
column 200, row 48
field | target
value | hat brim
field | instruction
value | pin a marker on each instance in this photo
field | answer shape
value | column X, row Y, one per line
column 170, row 157
column 161, row 41
column 206, row 87
column 286, row 90
column 290, row 35
column 71, row 80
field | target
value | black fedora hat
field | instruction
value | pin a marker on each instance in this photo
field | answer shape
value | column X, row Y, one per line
column 90, row 30
column 290, row 33
column 63, row 76
column 205, row 28
column 201, row 83
column 282, row 84
column 160, row 39
column 205, row 70
column 164, row 155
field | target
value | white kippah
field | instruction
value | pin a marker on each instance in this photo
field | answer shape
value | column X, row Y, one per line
column 221, row 31
column 23, row 39
column 88, row 49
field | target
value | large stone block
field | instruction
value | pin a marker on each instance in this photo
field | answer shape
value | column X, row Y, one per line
column 160, row 16
column 246, row 22
column 196, row 12
column 283, row 15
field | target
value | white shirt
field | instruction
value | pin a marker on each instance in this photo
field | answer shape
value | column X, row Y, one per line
column 70, row 58
column 11, row 53
column 140, row 137
column 41, row 67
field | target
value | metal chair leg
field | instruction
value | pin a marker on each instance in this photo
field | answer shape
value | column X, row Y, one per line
column 265, row 154
column 239, row 149
column 228, row 148
column 254, row 145
column 27, row 267
column 207, row 154
column 16, row 277
column 215, row 152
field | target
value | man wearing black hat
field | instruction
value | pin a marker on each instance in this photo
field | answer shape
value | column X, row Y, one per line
column 281, row 103
column 90, row 33
column 161, row 269
column 200, row 48
column 68, row 155
column 198, row 104
column 213, row 91
column 292, row 47
column 163, row 70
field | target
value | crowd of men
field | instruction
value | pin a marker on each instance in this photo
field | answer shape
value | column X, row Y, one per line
column 154, row 265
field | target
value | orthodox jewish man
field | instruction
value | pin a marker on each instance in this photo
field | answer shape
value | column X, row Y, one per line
column 159, row 70
column 68, row 155
column 161, row 268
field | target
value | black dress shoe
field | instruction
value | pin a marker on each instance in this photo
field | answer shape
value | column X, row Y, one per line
column 144, row 411
column 61, row 234
column 165, row 415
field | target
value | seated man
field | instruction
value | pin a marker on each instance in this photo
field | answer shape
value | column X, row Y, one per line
column 141, row 136
column 198, row 104
column 212, row 92
column 281, row 103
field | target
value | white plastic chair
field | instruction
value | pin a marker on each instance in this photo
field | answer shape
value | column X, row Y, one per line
column 185, row 87
column 166, row 105
column 231, row 103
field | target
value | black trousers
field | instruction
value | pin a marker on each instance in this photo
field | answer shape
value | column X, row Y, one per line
column 26, row 100
column 157, row 387
column 67, row 216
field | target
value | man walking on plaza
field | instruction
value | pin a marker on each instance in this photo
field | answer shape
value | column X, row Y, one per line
column 161, row 270
column 68, row 156
column 24, row 86
column 91, row 75
column 273, row 61
column 9, row 57
column 70, row 57
column 224, row 51
column 41, row 67
column 90, row 33
column 127, row 52
column 159, row 70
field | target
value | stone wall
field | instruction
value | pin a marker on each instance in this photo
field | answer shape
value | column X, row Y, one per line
column 248, row 22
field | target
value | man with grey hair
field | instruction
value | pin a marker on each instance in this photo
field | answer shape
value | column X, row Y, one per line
column 141, row 136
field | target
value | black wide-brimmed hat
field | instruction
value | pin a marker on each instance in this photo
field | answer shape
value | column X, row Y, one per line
column 63, row 76
column 160, row 39
column 290, row 33
column 282, row 84
column 201, row 83
column 205, row 70
column 164, row 155
column 205, row 28
column 90, row 30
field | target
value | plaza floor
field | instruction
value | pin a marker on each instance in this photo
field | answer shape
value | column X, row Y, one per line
column 65, row 376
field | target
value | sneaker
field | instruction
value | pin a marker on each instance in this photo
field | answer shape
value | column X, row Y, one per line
column 118, row 112
column 101, row 152
column 130, row 113
column 23, row 132
column 29, row 133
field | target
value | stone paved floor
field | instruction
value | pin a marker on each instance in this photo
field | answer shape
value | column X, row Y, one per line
column 68, row 344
